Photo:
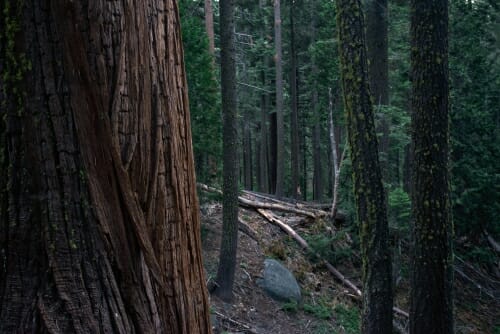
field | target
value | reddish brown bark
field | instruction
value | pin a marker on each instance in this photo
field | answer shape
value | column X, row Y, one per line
column 100, row 220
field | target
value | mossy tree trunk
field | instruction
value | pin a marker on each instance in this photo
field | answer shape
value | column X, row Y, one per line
column 368, row 188
column 431, row 305
column 99, row 226
column 229, row 242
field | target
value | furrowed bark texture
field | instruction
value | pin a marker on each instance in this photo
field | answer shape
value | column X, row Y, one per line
column 431, row 303
column 99, row 228
column 369, row 191
column 229, row 242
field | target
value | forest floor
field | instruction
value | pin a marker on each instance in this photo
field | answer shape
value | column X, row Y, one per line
column 327, row 305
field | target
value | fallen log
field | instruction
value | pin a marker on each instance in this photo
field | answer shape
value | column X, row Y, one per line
column 262, row 205
column 269, row 216
column 290, row 231
column 291, row 203
column 245, row 228
column 275, row 206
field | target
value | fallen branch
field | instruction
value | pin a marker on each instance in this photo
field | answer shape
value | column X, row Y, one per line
column 235, row 322
column 290, row 231
column 269, row 216
column 261, row 205
column 495, row 245
column 245, row 228
column 275, row 206
column 481, row 288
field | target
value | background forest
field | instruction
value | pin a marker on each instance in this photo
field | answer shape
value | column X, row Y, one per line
column 310, row 52
column 314, row 119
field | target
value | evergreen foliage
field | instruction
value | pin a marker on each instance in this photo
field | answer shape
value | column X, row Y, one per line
column 475, row 117
column 204, row 93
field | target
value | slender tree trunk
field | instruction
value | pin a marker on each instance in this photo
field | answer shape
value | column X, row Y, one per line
column 431, row 303
column 229, row 242
column 335, row 159
column 294, row 128
column 280, row 139
column 377, row 50
column 264, row 117
column 247, row 133
column 304, row 158
column 316, row 141
column 367, row 178
column 209, row 26
column 247, row 154
column 378, row 69
column 99, row 222
column 263, row 161
column 272, row 150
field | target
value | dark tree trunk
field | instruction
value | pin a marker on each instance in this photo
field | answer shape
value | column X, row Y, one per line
column 378, row 69
column 377, row 50
column 99, row 226
column 263, row 160
column 273, row 142
column 294, row 126
column 246, row 109
column 316, row 131
column 264, row 117
column 229, row 242
column 247, row 153
column 367, row 178
column 280, row 138
column 431, row 304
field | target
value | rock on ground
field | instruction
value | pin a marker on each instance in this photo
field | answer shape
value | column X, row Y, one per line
column 279, row 283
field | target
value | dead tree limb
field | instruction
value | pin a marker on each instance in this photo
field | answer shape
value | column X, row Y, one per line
column 246, row 327
column 275, row 206
column 290, row 231
column 283, row 206
column 245, row 228
column 495, row 245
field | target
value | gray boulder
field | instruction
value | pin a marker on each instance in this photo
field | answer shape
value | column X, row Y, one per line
column 279, row 283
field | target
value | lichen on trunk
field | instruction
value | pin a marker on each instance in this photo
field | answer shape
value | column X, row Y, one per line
column 367, row 178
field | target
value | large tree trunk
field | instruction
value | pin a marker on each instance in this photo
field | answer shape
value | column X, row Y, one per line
column 367, row 178
column 431, row 304
column 99, row 227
